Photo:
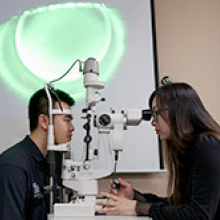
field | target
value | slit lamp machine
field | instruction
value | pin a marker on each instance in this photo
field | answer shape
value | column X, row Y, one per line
column 80, row 176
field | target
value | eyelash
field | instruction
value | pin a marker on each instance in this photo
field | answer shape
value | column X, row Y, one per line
column 68, row 120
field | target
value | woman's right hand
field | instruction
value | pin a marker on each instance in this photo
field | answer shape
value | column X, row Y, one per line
column 125, row 190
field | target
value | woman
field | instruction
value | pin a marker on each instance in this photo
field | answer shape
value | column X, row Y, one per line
column 191, row 140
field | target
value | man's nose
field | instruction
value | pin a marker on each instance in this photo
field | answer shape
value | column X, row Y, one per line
column 72, row 127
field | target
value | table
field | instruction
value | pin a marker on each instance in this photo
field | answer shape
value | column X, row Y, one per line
column 103, row 217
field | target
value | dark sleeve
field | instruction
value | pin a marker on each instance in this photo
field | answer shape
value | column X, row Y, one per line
column 205, row 187
column 144, row 201
column 13, row 192
column 148, row 197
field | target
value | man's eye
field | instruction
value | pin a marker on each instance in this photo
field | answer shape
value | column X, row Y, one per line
column 68, row 120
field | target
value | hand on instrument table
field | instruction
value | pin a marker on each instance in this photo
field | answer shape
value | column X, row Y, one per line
column 116, row 205
column 124, row 191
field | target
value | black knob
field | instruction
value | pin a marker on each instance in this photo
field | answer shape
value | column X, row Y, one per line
column 104, row 120
column 87, row 139
column 86, row 126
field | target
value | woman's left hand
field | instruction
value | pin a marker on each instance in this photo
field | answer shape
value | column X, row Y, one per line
column 116, row 205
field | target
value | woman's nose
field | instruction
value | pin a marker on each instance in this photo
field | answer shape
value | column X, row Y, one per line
column 153, row 122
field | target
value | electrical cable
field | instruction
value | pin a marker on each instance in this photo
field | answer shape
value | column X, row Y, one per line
column 61, row 77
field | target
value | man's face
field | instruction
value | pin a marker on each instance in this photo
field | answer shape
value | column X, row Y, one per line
column 63, row 126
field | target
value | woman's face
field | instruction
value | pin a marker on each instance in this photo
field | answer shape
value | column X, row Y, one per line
column 162, row 127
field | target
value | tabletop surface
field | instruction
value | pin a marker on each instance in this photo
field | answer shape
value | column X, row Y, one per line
column 103, row 217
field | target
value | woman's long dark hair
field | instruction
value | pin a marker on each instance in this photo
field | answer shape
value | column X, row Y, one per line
column 187, row 118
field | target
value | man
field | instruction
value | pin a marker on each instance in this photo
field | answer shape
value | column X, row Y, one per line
column 23, row 167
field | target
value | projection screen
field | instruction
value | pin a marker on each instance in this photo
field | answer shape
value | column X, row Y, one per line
column 40, row 40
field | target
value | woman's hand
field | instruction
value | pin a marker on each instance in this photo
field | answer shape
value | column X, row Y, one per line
column 125, row 190
column 116, row 205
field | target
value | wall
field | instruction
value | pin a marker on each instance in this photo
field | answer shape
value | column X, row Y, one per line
column 188, row 41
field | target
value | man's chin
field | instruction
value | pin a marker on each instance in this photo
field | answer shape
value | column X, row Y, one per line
column 63, row 142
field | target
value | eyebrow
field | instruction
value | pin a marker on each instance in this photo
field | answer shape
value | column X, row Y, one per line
column 68, row 116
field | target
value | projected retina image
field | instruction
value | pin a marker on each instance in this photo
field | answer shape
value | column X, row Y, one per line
column 42, row 43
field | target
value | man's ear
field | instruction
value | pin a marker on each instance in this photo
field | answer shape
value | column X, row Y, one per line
column 43, row 121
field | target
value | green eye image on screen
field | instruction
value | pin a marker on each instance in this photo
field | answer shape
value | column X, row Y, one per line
column 42, row 43
column 41, row 39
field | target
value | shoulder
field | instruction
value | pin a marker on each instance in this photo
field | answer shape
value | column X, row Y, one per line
column 206, row 150
column 14, row 166
column 204, row 141
column 16, row 155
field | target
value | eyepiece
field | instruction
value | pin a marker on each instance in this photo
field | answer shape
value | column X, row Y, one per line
column 146, row 114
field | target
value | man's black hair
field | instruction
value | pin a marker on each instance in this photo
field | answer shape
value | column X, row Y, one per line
column 39, row 104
